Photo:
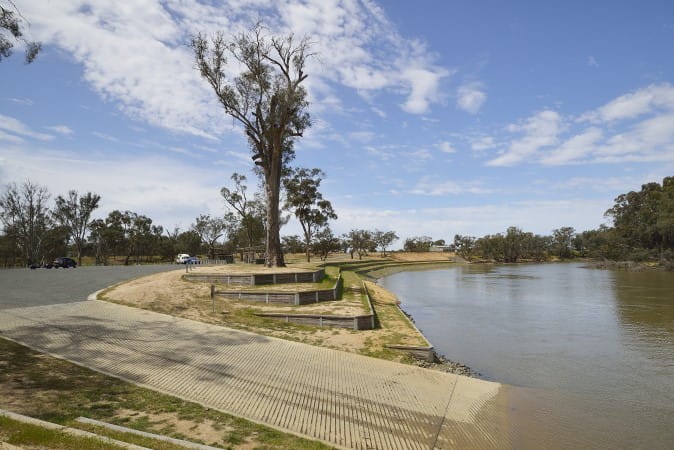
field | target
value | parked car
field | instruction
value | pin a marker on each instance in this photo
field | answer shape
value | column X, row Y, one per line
column 182, row 257
column 193, row 260
column 64, row 262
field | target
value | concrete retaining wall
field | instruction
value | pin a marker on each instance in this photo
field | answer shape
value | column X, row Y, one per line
column 425, row 353
column 257, row 279
column 284, row 298
column 351, row 322
column 361, row 322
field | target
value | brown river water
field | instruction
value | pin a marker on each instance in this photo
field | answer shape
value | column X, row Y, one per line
column 587, row 355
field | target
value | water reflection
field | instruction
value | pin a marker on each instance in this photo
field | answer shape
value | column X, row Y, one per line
column 592, row 340
column 646, row 303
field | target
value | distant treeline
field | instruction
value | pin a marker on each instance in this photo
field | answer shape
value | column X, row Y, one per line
column 643, row 230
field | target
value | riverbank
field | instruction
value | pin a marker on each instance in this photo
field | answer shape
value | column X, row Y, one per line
column 168, row 293
column 632, row 266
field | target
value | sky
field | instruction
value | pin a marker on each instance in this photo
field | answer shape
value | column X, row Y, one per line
column 429, row 118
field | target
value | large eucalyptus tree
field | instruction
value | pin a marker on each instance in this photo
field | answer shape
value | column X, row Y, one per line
column 268, row 99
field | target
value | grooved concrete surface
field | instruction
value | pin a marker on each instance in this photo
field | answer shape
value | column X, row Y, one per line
column 340, row 398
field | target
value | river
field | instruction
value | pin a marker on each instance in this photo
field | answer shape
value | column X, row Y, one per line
column 589, row 353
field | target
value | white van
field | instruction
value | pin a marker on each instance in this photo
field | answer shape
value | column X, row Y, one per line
column 181, row 258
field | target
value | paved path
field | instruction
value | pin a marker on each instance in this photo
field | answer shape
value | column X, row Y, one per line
column 340, row 398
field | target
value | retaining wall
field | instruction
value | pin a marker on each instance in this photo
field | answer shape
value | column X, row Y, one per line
column 283, row 298
column 257, row 279
column 360, row 322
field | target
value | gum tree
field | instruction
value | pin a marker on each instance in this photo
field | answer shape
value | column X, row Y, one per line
column 210, row 229
column 267, row 98
column 310, row 208
column 11, row 31
column 74, row 212
column 25, row 216
column 383, row 239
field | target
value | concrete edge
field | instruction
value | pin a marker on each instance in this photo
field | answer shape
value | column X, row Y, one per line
column 157, row 437
column 68, row 430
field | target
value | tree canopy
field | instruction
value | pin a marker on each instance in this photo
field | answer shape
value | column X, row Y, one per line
column 306, row 201
column 267, row 98
column 11, row 25
column 74, row 213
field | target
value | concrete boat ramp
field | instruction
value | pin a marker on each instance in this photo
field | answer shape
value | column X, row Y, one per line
column 343, row 399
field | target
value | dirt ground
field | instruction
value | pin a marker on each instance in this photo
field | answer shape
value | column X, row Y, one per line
column 168, row 293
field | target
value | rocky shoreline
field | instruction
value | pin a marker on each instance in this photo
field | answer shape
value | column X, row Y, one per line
column 445, row 365
column 442, row 363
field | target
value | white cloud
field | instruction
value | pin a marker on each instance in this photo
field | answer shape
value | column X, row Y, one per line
column 592, row 61
column 22, row 101
column 424, row 87
column 482, row 143
column 418, row 156
column 105, row 136
column 383, row 154
column 15, row 130
column 138, row 184
column 135, row 54
column 61, row 129
column 574, row 148
column 433, row 186
column 634, row 127
column 471, row 97
column 362, row 136
column 10, row 138
column 378, row 111
column 596, row 184
column 446, row 147
column 539, row 131
column 634, row 104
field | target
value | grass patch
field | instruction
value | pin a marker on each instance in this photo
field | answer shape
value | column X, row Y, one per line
column 28, row 435
column 57, row 391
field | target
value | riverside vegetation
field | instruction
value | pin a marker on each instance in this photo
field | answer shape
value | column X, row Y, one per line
column 642, row 232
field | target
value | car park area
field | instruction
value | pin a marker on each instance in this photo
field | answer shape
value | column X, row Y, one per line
column 25, row 287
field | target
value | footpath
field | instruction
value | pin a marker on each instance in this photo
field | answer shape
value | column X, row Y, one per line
column 343, row 399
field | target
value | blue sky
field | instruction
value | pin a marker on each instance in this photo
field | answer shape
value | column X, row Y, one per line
column 429, row 118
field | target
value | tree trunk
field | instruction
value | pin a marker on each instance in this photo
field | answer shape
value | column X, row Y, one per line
column 307, row 242
column 273, row 250
column 78, row 245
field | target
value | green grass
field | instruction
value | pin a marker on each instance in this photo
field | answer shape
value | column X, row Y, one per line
column 57, row 391
column 28, row 435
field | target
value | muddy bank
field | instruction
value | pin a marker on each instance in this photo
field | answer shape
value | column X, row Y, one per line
column 630, row 266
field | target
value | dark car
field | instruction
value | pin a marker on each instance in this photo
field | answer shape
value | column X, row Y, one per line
column 64, row 262
column 192, row 260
